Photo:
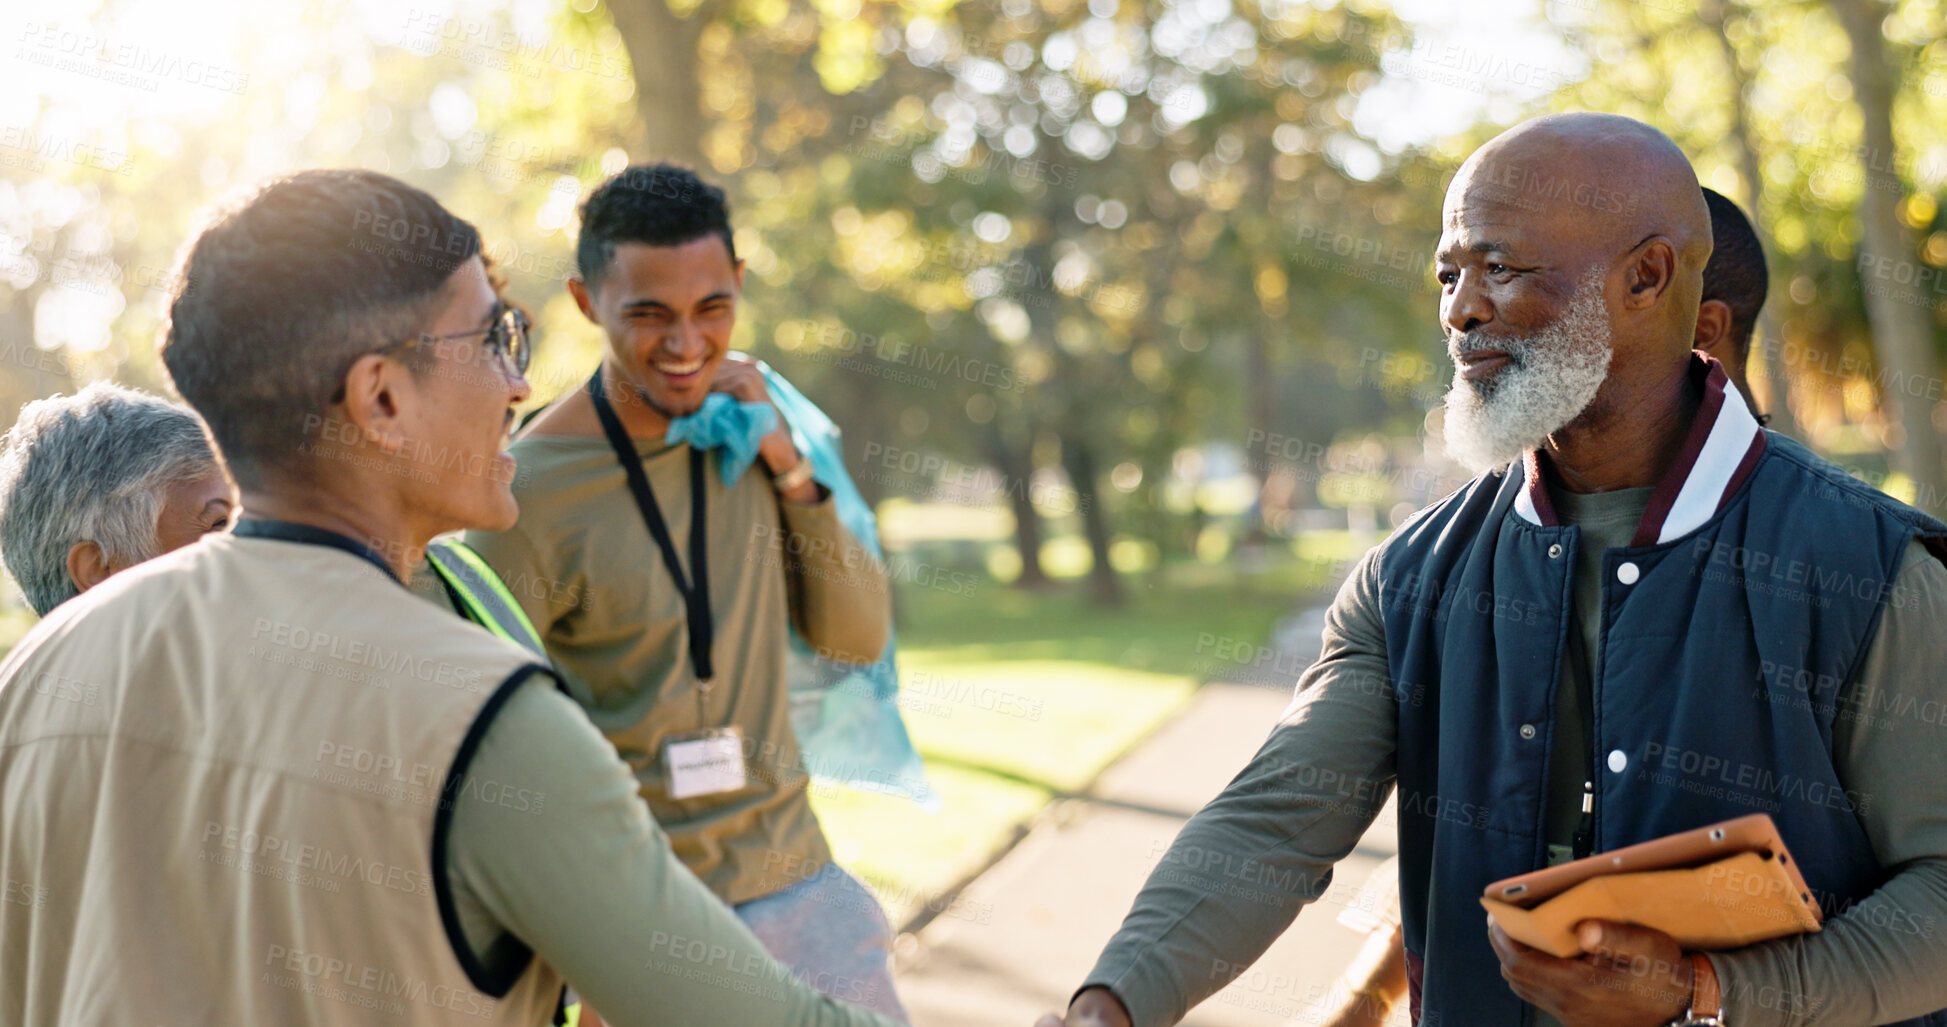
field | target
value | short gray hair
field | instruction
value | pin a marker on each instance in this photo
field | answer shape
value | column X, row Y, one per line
column 93, row 466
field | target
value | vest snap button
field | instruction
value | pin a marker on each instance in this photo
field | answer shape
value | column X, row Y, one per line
column 1617, row 759
column 1628, row 573
column 1527, row 731
column 1555, row 551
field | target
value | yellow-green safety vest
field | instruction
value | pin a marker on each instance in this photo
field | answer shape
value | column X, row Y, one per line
column 479, row 595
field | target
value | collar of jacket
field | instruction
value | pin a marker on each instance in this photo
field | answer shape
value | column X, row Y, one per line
column 1723, row 446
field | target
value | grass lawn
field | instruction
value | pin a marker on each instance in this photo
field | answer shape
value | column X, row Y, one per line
column 1016, row 697
column 1054, row 723
column 914, row 858
column 1159, row 628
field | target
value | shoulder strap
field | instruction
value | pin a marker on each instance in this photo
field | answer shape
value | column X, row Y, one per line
column 483, row 598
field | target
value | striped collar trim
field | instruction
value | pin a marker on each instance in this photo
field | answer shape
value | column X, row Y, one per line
column 1723, row 446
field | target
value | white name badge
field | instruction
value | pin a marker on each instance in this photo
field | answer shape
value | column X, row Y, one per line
column 704, row 763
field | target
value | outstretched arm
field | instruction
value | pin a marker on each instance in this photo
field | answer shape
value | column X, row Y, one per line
column 574, row 867
column 1246, row 863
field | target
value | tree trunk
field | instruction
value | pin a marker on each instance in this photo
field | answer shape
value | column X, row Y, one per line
column 1902, row 330
column 1016, row 463
column 1078, row 458
column 662, row 49
column 1263, row 407
column 1076, row 395
column 1769, row 336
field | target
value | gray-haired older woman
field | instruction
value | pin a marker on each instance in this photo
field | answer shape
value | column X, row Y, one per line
column 97, row 482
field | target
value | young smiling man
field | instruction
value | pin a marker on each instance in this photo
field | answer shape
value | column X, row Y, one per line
column 256, row 780
column 681, row 535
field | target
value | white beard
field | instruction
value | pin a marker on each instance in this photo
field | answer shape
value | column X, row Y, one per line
column 1550, row 378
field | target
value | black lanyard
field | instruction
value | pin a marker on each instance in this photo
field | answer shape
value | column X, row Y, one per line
column 696, row 592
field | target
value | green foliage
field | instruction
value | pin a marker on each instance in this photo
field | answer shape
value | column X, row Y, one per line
column 1789, row 63
column 1065, row 239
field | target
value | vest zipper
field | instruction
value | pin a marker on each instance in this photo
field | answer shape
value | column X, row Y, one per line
column 1585, row 830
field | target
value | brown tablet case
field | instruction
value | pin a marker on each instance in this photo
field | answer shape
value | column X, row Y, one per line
column 1716, row 887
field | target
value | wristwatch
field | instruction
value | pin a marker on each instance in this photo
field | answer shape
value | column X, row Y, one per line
column 799, row 473
column 1706, row 1001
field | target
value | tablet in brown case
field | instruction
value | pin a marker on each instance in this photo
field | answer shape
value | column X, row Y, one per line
column 1717, row 887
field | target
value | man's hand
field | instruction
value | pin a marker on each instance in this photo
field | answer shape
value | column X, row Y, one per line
column 1096, row 1007
column 740, row 379
column 1628, row 976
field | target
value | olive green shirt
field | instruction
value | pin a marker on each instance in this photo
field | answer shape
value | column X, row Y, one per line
column 1275, row 831
column 1607, row 521
column 584, row 567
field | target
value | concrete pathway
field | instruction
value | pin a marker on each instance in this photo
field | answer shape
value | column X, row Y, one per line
column 1023, row 934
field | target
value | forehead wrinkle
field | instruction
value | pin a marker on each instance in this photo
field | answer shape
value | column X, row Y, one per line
column 1524, row 229
column 1481, row 247
column 1631, row 162
column 1476, row 230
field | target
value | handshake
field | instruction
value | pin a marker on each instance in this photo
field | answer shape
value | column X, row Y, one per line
column 1095, row 1007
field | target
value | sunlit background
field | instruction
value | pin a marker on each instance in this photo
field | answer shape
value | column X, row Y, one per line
column 1124, row 305
column 1170, row 224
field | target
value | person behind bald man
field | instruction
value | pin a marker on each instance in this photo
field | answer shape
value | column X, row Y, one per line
column 1735, row 285
column 1576, row 630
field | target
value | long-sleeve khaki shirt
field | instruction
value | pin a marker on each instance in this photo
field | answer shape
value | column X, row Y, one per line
column 588, row 574
column 1880, row 960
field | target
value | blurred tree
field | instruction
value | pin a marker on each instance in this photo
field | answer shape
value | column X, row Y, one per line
column 1715, row 15
column 662, row 38
column 1903, row 333
column 503, row 120
column 1063, row 249
column 1123, row 271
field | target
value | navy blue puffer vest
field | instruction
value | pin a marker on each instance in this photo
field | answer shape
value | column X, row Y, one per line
column 1731, row 629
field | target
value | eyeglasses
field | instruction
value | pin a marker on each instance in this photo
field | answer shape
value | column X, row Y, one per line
column 506, row 339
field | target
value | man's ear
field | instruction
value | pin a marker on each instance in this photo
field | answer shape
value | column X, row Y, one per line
column 1714, row 330
column 740, row 274
column 374, row 389
column 579, row 290
column 88, row 566
column 1650, row 274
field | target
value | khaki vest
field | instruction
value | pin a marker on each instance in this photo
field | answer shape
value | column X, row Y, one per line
column 223, row 799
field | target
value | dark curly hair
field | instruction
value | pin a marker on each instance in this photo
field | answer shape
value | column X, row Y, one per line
column 1736, row 273
column 282, row 292
column 657, row 204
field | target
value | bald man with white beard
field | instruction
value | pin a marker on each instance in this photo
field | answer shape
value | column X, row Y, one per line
column 1640, row 583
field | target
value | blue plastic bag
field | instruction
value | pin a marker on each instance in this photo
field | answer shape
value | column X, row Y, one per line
column 846, row 716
